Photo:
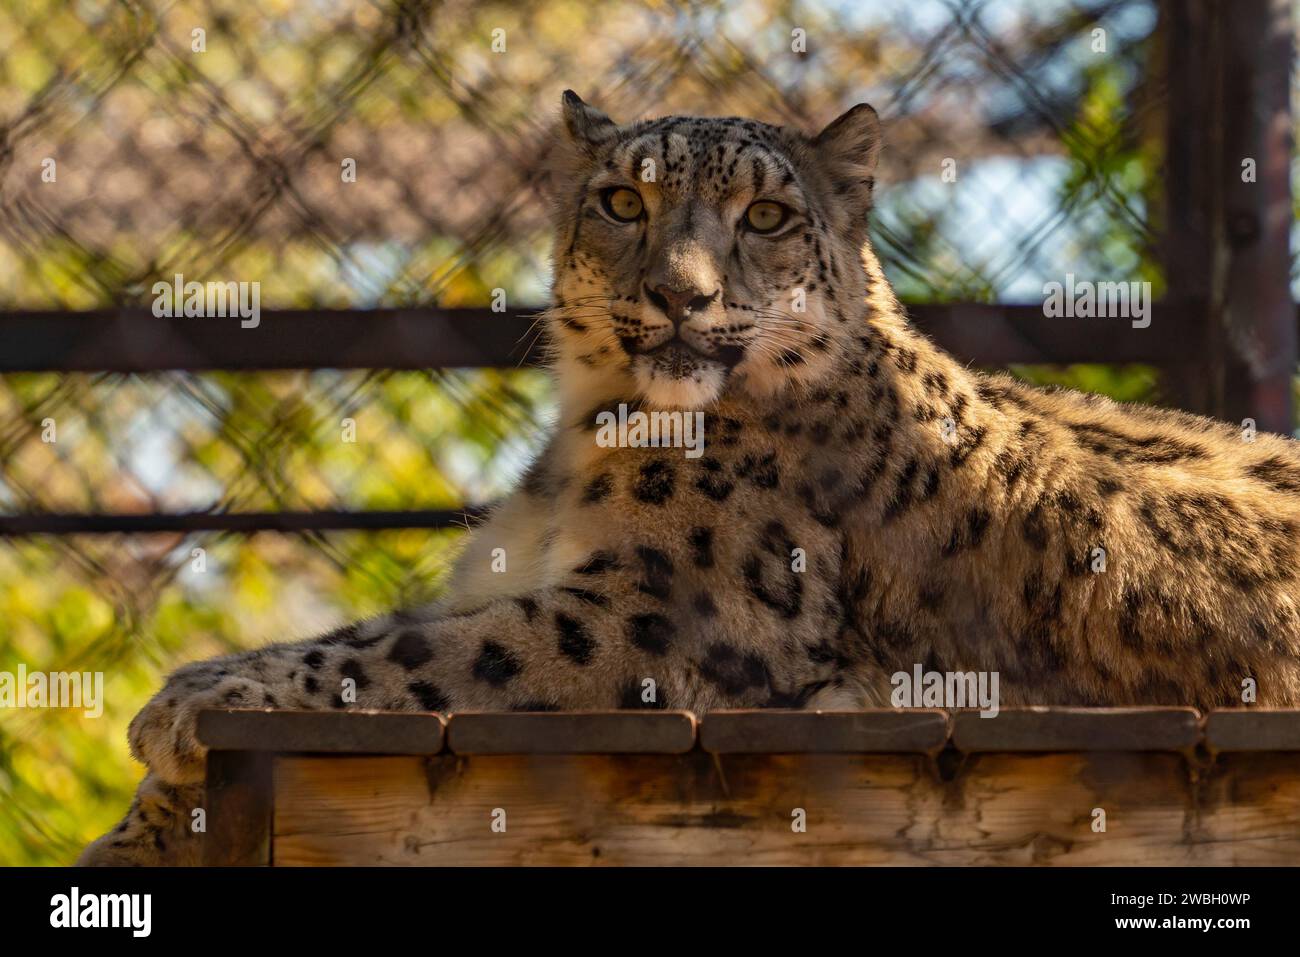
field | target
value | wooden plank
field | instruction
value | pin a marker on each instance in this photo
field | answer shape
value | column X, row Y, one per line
column 571, row 732
column 701, row 809
column 825, row 732
column 1042, row 809
column 1186, row 58
column 1248, row 729
column 1226, row 234
column 346, row 732
column 591, row 809
column 1249, row 810
column 1253, row 234
column 238, row 802
column 1077, row 729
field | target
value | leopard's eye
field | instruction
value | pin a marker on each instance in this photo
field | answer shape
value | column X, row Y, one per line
column 765, row 216
column 622, row 203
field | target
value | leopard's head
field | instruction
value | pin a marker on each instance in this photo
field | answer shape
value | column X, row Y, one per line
column 701, row 256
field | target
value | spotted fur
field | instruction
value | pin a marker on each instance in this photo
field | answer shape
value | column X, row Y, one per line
column 944, row 517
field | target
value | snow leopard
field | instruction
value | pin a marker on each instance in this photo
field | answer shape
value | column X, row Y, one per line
column 861, row 504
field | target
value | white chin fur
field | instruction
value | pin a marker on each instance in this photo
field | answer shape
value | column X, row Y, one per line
column 694, row 391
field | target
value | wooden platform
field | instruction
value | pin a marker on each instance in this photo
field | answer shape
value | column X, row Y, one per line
column 1032, row 786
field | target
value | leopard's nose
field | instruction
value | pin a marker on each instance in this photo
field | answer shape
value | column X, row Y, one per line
column 678, row 304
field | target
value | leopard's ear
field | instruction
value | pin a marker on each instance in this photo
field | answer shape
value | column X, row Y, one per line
column 574, row 150
column 848, row 149
column 588, row 128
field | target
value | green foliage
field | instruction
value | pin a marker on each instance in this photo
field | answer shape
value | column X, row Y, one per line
column 65, row 777
column 1121, row 383
column 135, row 607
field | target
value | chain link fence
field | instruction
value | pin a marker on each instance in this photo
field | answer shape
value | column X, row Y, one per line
column 141, row 139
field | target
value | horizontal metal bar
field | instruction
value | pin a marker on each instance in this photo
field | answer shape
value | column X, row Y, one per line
column 993, row 335
column 134, row 340
column 65, row 523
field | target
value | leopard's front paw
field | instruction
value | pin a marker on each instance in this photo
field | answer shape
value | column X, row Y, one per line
column 140, row 848
column 163, row 735
column 158, row 830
